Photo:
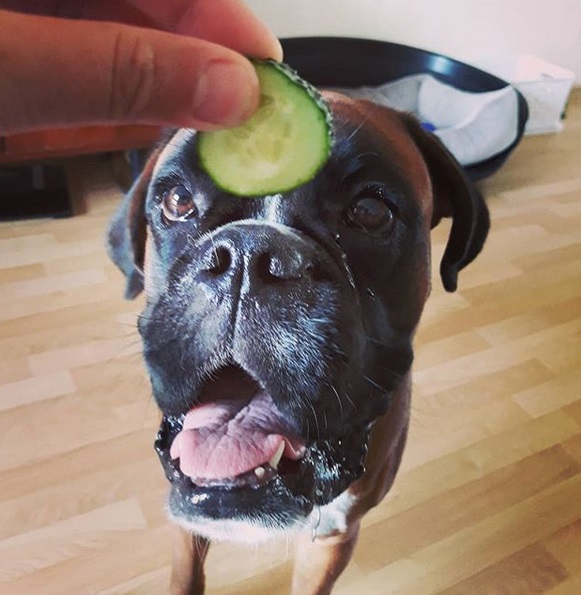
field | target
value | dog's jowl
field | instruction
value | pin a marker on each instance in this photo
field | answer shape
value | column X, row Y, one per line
column 278, row 332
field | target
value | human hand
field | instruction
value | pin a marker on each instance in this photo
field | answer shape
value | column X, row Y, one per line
column 162, row 62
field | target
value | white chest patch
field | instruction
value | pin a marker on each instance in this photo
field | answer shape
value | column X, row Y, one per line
column 332, row 518
column 234, row 531
column 322, row 522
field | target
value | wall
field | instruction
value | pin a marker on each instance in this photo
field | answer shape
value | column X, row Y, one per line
column 463, row 29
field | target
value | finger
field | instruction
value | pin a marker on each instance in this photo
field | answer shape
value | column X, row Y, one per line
column 61, row 72
column 227, row 22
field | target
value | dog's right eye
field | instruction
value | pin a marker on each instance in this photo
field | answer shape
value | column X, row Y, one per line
column 178, row 203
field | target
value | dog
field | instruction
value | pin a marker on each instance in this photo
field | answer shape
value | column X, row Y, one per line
column 278, row 332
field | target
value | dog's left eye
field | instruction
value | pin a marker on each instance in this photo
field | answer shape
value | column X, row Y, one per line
column 178, row 203
column 371, row 212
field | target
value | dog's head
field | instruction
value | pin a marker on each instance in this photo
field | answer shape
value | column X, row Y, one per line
column 277, row 328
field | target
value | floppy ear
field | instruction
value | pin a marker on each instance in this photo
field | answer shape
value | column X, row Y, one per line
column 128, row 231
column 456, row 197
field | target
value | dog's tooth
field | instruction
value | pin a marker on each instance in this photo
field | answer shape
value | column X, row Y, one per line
column 260, row 472
column 277, row 456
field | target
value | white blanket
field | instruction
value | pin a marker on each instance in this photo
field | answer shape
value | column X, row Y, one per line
column 473, row 126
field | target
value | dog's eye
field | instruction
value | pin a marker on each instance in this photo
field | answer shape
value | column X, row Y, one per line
column 178, row 203
column 371, row 212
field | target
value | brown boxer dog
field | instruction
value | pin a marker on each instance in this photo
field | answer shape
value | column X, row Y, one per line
column 278, row 332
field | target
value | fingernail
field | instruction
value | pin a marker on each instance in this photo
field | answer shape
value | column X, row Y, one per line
column 226, row 93
column 277, row 52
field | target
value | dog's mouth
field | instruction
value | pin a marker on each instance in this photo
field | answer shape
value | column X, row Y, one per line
column 236, row 441
column 236, row 436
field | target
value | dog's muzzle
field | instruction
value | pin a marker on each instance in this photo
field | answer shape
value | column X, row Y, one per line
column 249, row 441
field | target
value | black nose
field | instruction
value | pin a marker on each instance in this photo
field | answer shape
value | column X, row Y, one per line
column 258, row 254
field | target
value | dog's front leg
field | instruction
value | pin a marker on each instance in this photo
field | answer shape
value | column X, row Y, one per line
column 189, row 554
column 319, row 562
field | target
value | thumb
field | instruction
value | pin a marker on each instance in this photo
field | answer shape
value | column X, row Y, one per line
column 57, row 72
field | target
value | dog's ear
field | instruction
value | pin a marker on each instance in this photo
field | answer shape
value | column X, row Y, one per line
column 455, row 197
column 128, row 231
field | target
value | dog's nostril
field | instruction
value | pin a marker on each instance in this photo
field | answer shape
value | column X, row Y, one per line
column 288, row 266
column 220, row 262
column 269, row 269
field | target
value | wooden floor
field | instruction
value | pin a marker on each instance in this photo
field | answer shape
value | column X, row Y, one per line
column 489, row 499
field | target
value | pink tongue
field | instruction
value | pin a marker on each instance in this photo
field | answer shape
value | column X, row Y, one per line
column 225, row 439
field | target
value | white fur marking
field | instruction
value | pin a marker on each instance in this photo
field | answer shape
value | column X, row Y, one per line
column 234, row 531
column 271, row 214
column 332, row 517
column 324, row 520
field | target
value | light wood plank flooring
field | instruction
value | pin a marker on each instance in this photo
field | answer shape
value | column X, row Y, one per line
column 489, row 499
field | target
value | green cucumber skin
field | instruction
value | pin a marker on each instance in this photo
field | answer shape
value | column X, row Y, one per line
column 215, row 149
column 313, row 92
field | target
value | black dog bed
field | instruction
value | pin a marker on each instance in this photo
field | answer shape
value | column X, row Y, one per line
column 354, row 63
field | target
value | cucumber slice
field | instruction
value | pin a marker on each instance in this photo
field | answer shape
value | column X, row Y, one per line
column 282, row 146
